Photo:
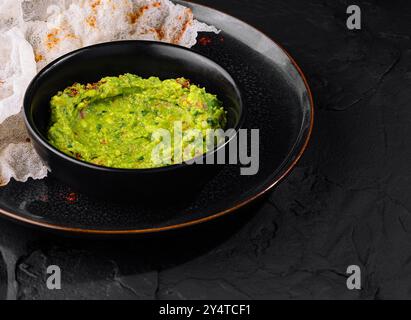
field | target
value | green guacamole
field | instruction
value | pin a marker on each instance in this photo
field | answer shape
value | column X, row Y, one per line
column 112, row 123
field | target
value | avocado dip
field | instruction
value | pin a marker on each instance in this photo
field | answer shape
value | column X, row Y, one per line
column 112, row 122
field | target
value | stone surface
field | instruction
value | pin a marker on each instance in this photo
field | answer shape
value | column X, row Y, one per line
column 346, row 203
column 3, row 278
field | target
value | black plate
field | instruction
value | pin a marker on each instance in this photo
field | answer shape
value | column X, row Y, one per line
column 279, row 103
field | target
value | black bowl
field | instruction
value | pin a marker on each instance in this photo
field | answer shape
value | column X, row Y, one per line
column 144, row 58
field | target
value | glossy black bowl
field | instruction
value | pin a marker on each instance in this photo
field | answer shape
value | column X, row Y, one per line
column 145, row 59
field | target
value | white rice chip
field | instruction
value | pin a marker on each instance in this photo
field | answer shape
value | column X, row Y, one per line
column 81, row 23
column 17, row 156
column 17, row 69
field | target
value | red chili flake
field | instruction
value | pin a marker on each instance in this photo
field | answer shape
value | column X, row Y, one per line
column 160, row 33
column 44, row 198
column 53, row 39
column 185, row 83
column 205, row 41
column 28, row 140
column 72, row 92
column 222, row 39
column 71, row 198
column 92, row 21
column 38, row 57
column 134, row 16
column 92, row 86
column 95, row 4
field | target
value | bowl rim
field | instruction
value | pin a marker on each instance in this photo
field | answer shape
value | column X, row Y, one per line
column 32, row 128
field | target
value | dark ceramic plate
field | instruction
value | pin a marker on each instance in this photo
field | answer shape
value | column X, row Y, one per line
column 278, row 102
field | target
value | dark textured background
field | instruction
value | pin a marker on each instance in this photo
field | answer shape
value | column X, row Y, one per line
column 347, row 202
